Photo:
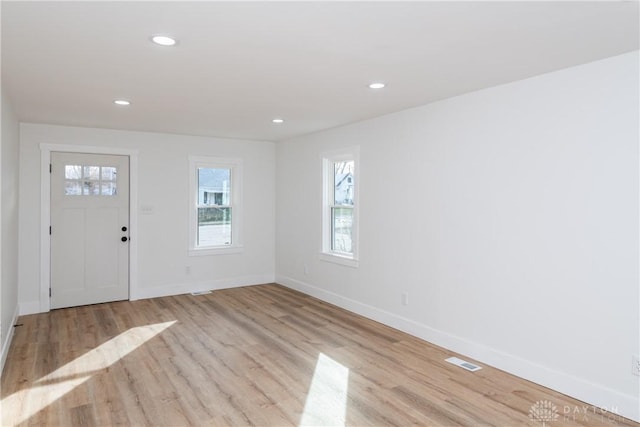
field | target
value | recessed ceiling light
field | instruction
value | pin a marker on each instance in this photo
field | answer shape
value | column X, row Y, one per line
column 163, row 40
column 278, row 121
column 122, row 102
column 376, row 85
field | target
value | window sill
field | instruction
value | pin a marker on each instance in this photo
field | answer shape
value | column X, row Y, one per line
column 222, row 250
column 339, row 259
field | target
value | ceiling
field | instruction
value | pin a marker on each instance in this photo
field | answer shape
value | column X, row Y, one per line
column 238, row 65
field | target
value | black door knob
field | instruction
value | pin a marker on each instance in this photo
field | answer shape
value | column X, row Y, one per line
column 124, row 238
column 124, row 228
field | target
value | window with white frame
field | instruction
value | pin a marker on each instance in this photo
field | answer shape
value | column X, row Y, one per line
column 215, row 205
column 340, row 207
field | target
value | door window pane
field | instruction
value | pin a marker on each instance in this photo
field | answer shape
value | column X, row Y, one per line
column 73, row 172
column 214, row 226
column 108, row 189
column 72, row 188
column 92, row 173
column 108, row 173
column 91, row 188
column 90, row 180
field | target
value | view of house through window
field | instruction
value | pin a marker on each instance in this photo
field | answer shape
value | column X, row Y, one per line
column 214, row 207
column 342, row 207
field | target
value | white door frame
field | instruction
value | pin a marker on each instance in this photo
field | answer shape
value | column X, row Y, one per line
column 45, row 214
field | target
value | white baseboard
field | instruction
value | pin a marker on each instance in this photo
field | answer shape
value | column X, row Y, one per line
column 30, row 307
column 596, row 395
column 185, row 288
column 7, row 342
column 33, row 307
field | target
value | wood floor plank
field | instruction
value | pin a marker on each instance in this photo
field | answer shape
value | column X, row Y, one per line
column 261, row 355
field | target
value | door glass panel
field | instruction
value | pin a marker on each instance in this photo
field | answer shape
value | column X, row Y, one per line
column 108, row 189
column 92, row 173
column 73, row 172
column 72, row 188
column 108, row 173
column 90, row 180
column 91, row 188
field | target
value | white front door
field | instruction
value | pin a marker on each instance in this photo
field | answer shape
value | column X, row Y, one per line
column 89, row 229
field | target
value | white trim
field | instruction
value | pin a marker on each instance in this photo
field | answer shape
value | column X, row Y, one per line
column 210, row 285
column 337, row 155
column 594, row 394
column 45, row 241
column 133, row 223
column 223, row 250
column 339, row 259
column 45, row 213
column 7, row 342
column 235, row 165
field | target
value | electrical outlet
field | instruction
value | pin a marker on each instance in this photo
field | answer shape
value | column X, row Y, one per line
column 187, row 270
column 635, row 364
column 306, row 269
column 405, row 298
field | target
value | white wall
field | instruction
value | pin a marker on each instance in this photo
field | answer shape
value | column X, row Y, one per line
column 509, row 215
column 163, row 181
column 9, row 231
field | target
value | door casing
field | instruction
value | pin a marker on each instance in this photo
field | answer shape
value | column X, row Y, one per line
column 45, row 214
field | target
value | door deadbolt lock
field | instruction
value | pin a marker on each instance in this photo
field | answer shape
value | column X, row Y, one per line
column 124, row 228
column 124, row 238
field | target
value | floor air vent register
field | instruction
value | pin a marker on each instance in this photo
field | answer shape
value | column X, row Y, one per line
column 464, row 364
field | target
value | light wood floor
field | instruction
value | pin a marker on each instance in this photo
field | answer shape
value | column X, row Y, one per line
column 261, row 355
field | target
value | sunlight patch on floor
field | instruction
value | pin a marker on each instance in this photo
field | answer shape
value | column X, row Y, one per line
column 326, row 403
column 25, row 403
